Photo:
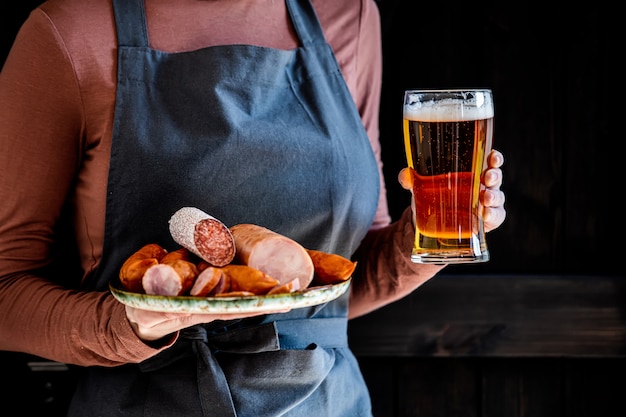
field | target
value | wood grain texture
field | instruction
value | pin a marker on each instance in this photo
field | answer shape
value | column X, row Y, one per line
column 495, row 387
column 500, row 315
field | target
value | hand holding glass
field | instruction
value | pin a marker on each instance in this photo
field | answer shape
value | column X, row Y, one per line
column 447, row 136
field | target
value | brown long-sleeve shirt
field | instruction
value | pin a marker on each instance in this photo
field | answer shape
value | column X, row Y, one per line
column 57, row 96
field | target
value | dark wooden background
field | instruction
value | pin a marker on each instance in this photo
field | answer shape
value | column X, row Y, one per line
column 553, row 72
column 540, row 330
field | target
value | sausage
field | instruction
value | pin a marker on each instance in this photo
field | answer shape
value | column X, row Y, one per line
column 330, row 268
column 248, row 279
column 207, row 280
column 291, row 286
column 277, row 255
column 133, row 269
column 173, row 281
column 222, row 286
column 170, row 279
column 203, row 235
column 235, row 294
column 179, row 254
column 202, row 265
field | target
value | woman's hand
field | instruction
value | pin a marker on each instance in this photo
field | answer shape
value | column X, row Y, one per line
column 151, row 325
column 491, row 198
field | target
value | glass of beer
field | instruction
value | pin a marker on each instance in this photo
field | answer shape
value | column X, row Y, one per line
column 447, row 136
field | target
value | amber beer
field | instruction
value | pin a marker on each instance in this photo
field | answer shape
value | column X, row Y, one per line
column 447, row 135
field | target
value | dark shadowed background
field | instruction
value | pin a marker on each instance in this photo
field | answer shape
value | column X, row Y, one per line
column 540, row 330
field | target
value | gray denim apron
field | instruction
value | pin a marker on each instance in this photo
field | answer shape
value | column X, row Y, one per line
column 249, row 135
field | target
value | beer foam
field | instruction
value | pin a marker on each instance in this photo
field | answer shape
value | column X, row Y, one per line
column 450, row 110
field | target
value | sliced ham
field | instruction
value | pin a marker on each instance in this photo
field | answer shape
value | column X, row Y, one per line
column 276, row 255
column 171, row 279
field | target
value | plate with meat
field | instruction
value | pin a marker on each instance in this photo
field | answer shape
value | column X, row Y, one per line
column 228, row 304
column 221, row 270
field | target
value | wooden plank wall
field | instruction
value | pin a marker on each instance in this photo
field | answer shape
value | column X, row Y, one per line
column 540, row 329
column 500, row 316
column 515, row 346
column 551, row 70
column 495, row 387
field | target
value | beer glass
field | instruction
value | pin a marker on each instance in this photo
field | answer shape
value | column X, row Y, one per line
column 447, row 136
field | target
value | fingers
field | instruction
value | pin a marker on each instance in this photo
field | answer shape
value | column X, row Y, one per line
column 493, row 217
column 492, row 177
column 495, row 159
column 151, row 325
column 492, row 198
column 404, row 178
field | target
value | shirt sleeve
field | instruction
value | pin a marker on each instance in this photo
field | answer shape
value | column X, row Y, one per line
column 368, row 91
column 384, row 272
column 41, row 131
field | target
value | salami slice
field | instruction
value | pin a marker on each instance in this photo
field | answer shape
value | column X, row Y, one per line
column 203, row 235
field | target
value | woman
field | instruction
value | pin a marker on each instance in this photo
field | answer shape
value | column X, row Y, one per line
column 116, row 114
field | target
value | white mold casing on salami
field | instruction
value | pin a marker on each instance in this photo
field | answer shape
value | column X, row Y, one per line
column 203, row 235
column 277, row 255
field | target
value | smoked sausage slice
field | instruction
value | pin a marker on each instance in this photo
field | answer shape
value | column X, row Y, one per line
column 207, row 281
column 246, row 278
column 277, row 255
column 291, row 286
column 133, row 269
column 170, row 279
column 203, row 235
column 330, row 268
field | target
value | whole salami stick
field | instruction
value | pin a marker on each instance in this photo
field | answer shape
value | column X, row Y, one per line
column 203, row 235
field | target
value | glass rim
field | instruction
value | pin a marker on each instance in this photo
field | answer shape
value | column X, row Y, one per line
column 446, row 90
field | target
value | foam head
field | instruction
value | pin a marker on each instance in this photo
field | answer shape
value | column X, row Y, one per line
column 454, row 106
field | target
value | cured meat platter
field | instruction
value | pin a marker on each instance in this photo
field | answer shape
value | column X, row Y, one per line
column 228, row 305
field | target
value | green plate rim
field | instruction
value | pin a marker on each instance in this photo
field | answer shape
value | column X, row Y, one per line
column 229, row 305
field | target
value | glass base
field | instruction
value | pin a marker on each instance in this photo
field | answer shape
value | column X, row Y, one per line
column 449, row 258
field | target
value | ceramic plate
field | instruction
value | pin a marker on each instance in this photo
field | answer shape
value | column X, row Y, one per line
column 225, row 305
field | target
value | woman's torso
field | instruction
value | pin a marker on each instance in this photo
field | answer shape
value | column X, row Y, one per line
column 176, row 27
column 253, row 135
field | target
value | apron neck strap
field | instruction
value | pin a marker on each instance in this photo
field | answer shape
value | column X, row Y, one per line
column 130, row 21
column 132, row 28
column 305, row 22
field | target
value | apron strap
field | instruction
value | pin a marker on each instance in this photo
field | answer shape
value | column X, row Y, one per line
column 130, row 22
column 132, row 28
column 305, row 22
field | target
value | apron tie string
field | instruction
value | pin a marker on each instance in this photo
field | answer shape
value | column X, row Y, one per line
column 215, row 395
